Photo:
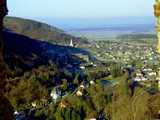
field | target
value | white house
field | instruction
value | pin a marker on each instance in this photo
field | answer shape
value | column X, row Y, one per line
column 54, row 95
column 34, row 104
column 152, row 73
column 92, row 82
column 137, row 79
column 82, row 67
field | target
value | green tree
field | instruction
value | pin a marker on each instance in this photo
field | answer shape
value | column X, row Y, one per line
column 68, row 114
column 59, row 114
column 74, row 115
column 116, row 70
column 64, row 86
column 6, row 109
column 126, row 107
column 27, row 92
column 76, row 81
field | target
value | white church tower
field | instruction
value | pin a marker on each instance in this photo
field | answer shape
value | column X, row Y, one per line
column 71, row 43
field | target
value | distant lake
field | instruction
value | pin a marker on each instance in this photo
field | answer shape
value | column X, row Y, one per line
column 106, row 28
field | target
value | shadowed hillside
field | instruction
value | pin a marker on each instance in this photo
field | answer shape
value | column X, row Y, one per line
column 41, row 31
column 24, row 53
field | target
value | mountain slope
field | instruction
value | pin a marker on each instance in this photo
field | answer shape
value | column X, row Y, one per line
column 41, row 31
column 21, row 52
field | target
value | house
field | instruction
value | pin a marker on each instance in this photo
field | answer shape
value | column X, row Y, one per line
column 81, row 90
column 152, row 73
column 82, row 87
column 64, row 104
column 92, row 119
column 91, row 82
column 94, row 65
column 16, row 113
column 19, row 115
column 137, row 79
column 144, row 79
column 55, row 94
column 34, row 104
column 148, row 70
column 139, row 74
column 82, row 67
column 79, row 93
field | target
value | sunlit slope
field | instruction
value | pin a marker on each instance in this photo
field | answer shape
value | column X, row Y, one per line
column 38, row 30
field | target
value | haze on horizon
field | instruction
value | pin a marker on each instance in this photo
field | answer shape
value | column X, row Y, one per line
column 80, row 8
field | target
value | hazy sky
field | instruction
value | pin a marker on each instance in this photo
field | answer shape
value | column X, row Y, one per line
column 80, row 8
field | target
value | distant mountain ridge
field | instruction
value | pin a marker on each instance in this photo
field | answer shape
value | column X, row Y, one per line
column 80, row 23
column 41, row 31
column 136, row 36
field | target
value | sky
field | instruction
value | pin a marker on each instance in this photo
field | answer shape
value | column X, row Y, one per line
column 80, row 8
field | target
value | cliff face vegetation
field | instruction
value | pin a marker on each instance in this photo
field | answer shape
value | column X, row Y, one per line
column 6, row 109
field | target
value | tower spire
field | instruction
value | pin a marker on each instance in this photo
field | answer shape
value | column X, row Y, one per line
column 71, row 43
